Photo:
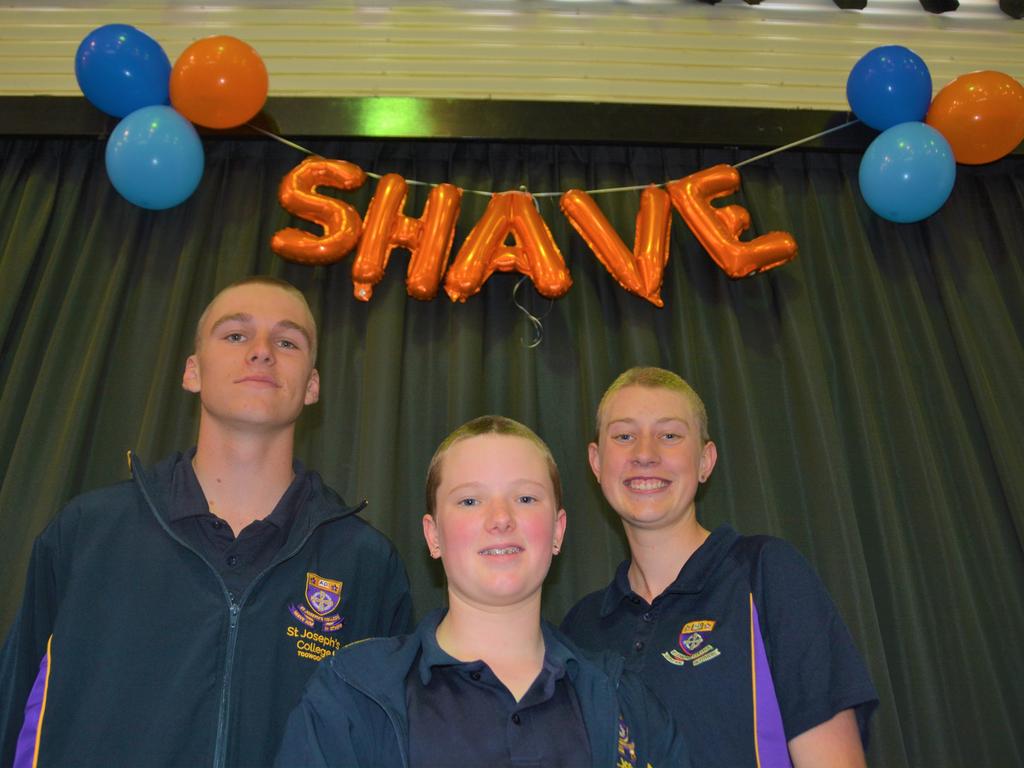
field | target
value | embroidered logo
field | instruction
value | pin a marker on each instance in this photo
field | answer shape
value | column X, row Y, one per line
column 693, row 644
column 322, row 596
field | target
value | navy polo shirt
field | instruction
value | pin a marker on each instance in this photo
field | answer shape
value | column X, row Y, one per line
column 461, row 714
column 239, row 559
column 745, row 648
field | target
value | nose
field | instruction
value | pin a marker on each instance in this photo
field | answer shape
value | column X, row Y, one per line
column 499, row 516
column 261, row 350
column 645, row 450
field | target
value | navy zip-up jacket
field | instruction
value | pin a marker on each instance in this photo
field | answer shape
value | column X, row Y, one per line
column 353, row 713
column 146, row 660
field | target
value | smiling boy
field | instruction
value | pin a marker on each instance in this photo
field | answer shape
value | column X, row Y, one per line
column 174, row 619
column 735, row 633
column 485, row 682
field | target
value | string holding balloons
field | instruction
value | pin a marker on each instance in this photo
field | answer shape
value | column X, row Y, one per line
column 154, row 156
column 908, row 171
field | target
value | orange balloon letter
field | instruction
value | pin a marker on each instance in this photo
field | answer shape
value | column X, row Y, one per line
column 484, row 251
column 718, row 229
column 429, row 239
column 340, row 221
column 639, row 272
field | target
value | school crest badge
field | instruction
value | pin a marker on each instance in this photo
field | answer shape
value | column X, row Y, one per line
column 323, row 596
column 694, row 646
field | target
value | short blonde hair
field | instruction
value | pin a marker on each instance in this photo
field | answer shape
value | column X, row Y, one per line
column 273, row 282
column 655, row 378
column 489, row 425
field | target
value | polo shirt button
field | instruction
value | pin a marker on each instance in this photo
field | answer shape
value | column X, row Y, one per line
column 217, row 524
column 475, row 675
column 232, row 560
column 647, row 616
column 515, row 719
column 638, row 645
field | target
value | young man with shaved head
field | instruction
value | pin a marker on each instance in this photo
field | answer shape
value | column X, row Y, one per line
column 173, row 619
column 736, row 634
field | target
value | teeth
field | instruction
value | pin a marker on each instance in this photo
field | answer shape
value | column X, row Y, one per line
column 647, row 485
column 501, row 551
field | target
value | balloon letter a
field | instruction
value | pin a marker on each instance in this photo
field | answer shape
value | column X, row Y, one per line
column 484, row 250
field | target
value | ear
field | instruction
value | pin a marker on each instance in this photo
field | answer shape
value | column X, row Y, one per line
column 190, row 379
column 708, row 459
column 313, row 388
column 560, row 520
column 594, row 456
column 430, row 534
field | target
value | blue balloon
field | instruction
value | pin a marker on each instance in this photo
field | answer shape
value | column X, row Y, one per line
column 121, row 69
column 888, row 86
column 155, row 158
column 907, row 172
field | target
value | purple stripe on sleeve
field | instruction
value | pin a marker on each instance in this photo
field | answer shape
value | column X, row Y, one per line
column 770, row 736
column 25, row 749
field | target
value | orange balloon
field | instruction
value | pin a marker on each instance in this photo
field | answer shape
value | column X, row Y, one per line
column 485, row 251
column 219, row 82
column 340, row 221
column 719, row 229
column 639, row 271
column 981, row 114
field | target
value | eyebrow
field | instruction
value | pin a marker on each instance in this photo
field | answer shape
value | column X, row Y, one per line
column 663, row 420
column 472, row 485
column 245, row 317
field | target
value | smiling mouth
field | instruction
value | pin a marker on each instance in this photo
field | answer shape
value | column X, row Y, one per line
column 493, row 551
column 646, row 484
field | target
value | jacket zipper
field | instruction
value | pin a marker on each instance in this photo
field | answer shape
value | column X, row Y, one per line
column 234, row 610
column 399, row 739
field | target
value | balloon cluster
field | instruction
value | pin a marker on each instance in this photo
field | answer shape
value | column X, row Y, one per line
column 154, row 156
column 907, row 172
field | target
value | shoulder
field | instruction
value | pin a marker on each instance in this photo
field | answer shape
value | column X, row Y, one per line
column 770, row 558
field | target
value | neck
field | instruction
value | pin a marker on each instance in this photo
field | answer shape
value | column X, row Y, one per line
column 243, row 475
column 507, row 638
column 659, row 555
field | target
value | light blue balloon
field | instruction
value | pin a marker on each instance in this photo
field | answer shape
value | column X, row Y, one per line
column 889, row 85
column 155, row 158
column 907, row 172
column 120, row 69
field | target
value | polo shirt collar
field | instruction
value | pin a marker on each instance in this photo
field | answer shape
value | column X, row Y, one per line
column 692, row 576
column 188, row 499
column 558, row 657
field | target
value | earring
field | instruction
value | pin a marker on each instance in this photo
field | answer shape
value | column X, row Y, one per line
column 556, row 549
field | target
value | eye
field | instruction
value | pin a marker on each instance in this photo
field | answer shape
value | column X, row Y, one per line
column 287, row 344
column 234, row 338
column 671, row 436
column 527, row 499
column 623, row 437
column 467, row 502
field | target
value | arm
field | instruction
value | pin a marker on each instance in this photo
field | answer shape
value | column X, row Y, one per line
column 833, row 744
column 816, row 668
column 25, row 648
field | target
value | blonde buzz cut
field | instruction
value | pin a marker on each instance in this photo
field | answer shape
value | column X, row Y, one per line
column 655, row 378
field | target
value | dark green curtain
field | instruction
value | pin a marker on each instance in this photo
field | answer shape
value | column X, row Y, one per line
column 865, row 398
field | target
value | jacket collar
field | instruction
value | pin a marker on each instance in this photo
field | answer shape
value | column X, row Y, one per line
column 322, row 505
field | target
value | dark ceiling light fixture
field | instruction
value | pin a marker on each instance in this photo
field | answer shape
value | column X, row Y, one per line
column 1014, row 8
column 939, row 6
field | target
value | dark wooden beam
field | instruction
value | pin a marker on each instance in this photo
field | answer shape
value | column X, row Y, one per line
column 298, row 118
